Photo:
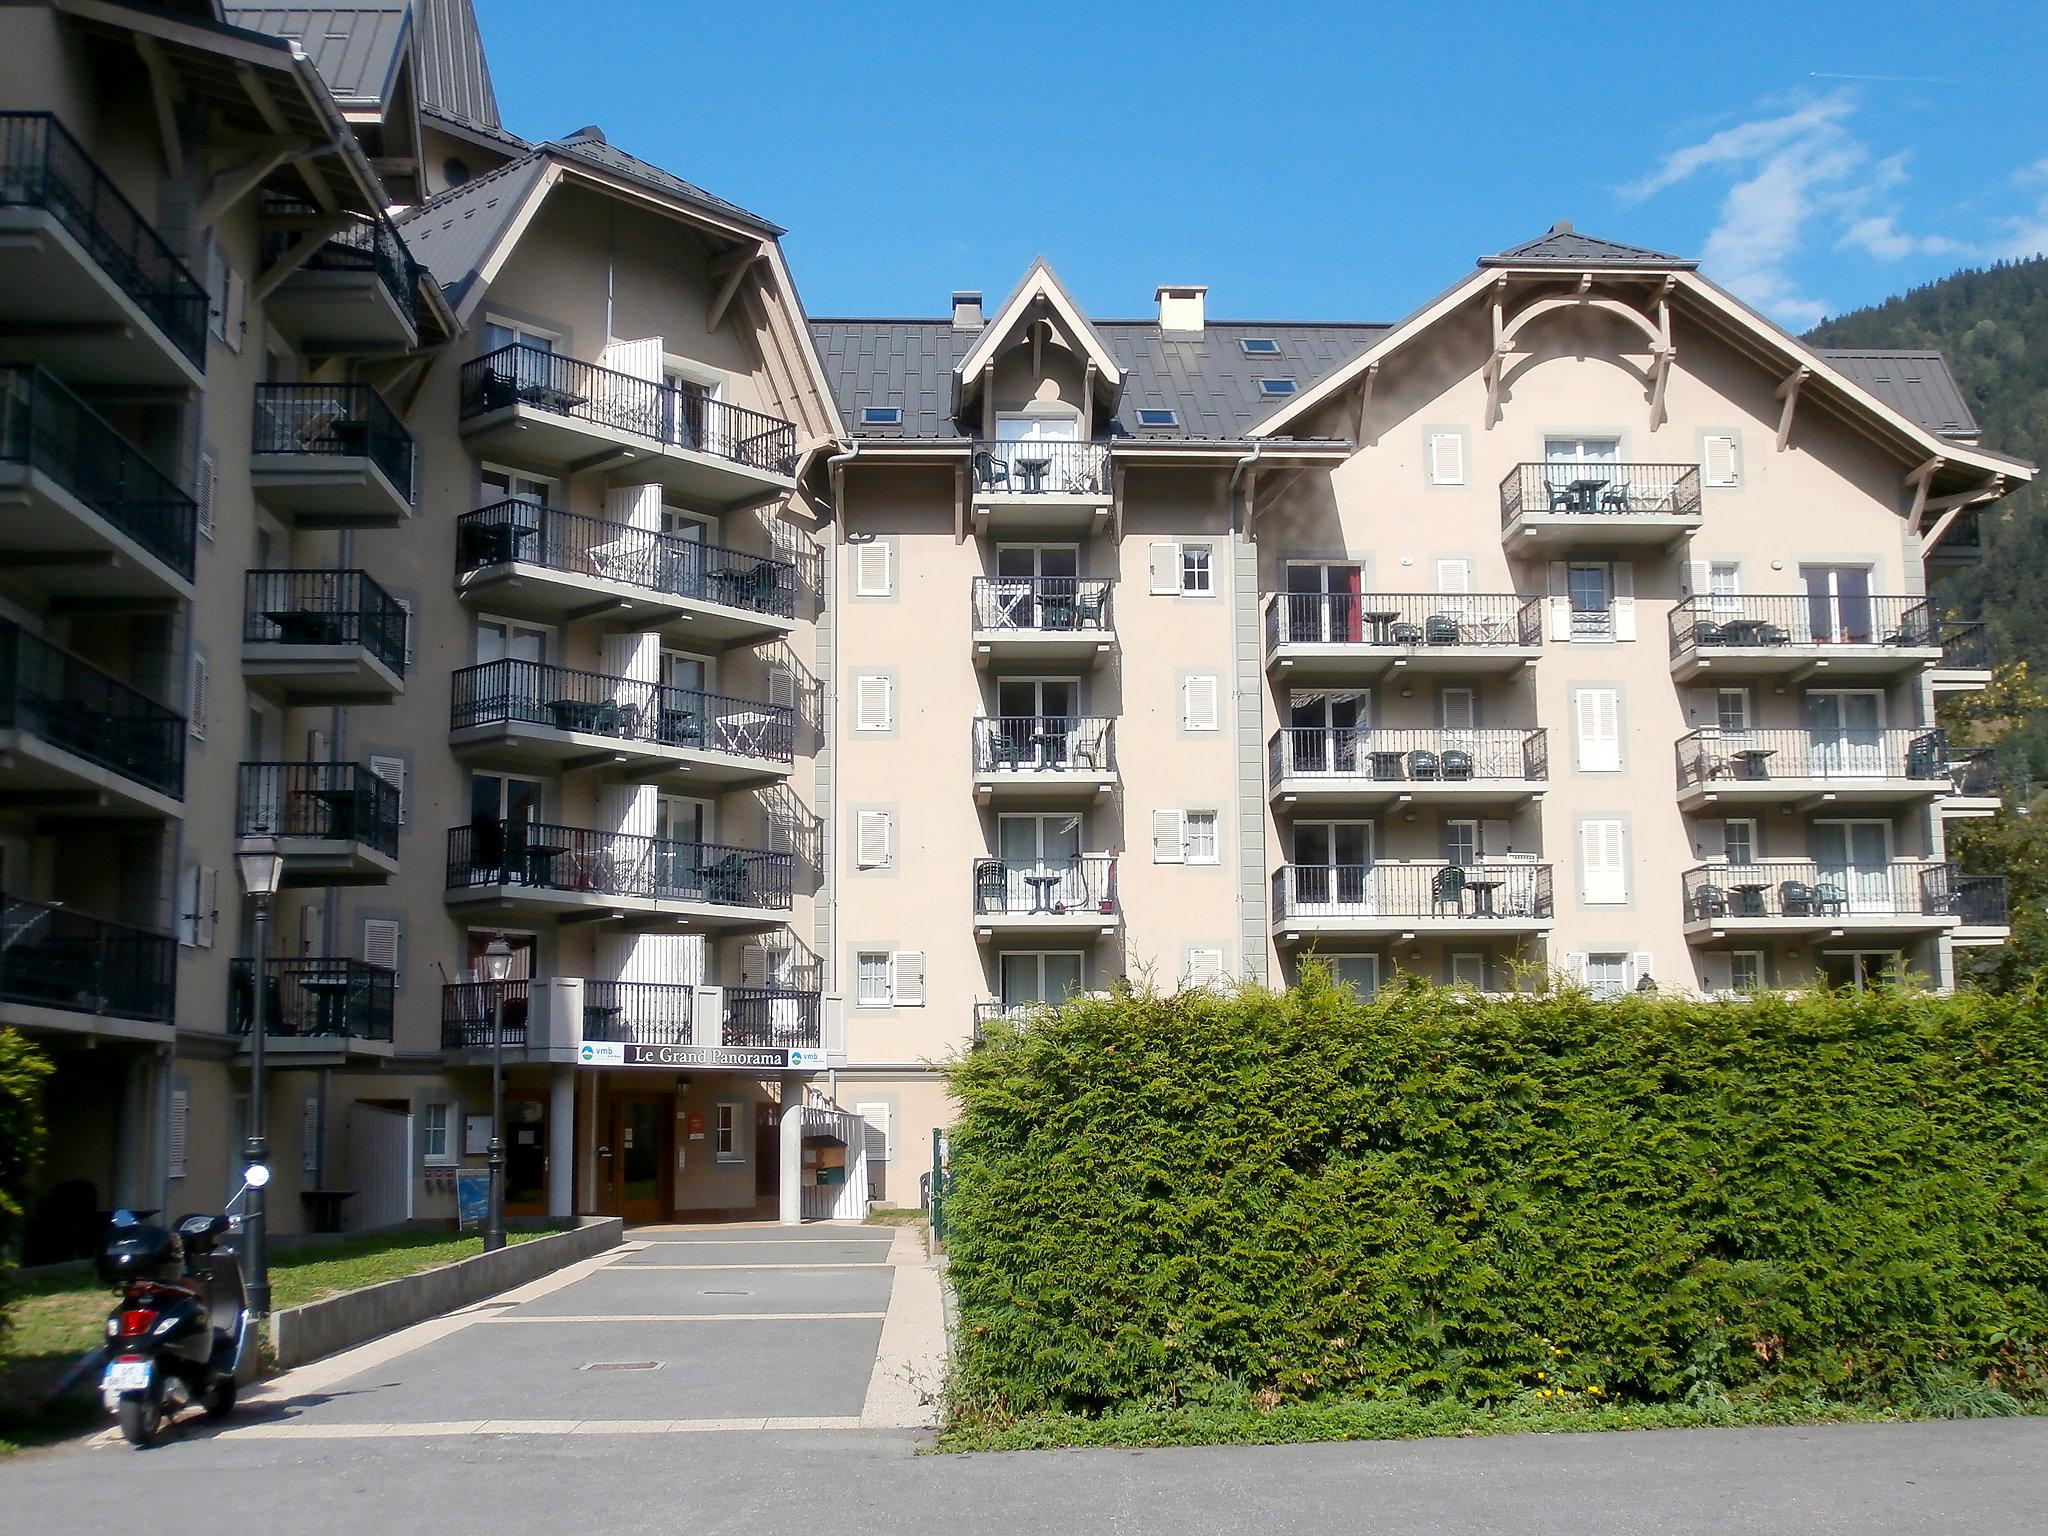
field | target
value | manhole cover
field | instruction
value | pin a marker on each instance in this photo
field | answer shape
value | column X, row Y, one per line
column 621, row 1365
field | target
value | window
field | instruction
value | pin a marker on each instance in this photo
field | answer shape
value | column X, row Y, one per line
column 1738, row 840
column 1361, row 973
column 1724, row 581
column 1446, row 458
column 874, row 568
column 1461, row 842
column 1259, row 346
column 195, row 724
column 1199, row 708
column 874, row 702
column 1199, row 829
column 871, row 972
column 1274, row 389
column 1603, row 863
column 1158, row 418
column 435, row 1146
column 1197, row 570
column 381, row 938
column 504, row 333
column 729, row 1134
column 1596, row 713
column 1731, row 708
column 174, row 1134
column 874, row 836
column 1204, row 967
column 1607, row 975
column 206, row 488
column 881, row 416
column 392, row 771
column 1746, row 972
column 1720, row 461
column 1592, row 612
column 1469, row 970
column 877, row 1116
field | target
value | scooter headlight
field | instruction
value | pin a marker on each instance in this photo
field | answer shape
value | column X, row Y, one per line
column 166, row 1324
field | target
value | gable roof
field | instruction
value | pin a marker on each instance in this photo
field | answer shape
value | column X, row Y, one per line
column 1040, row 283
column 1915, row 384
column 454, row 74
column 592, row 149
column 454, row 234
column 356, row 48
column 1563, row 246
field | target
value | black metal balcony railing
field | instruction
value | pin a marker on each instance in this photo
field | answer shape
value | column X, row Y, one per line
column 308, row 997
column 1708, row 623
column 1053, row 743
column 1041, row 469
column 1370, row 755
column 1979, row 900
column 519, row 531
column 523, row 374
column 1404, row 892
column 1082, row 883
column 1806, row 890
column 315, row 607
column 1749, row 757
column 55, row 697
column 639, row 1012
column 44, row 426
column 370, row 245
column 334, row 420
column 556, row 858
column 42, row 166
column 53, row 957
column 645, row 1013
column 1402, row 621
column 1057, row 604
column 468, row 1011
column 988, row 1012
column 1593, row 489
column 1965, row 645
column 775, row 1017
column 328, row 802
column 499, row 692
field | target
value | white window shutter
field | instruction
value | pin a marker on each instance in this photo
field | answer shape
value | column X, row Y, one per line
column 1205, row 967
column 1559, row 588
column 1624, row 600
column 1717, row 973
column 206, row 907
column 175, row 1133
column 206, row 490
column 1454, row 576
column 1643, row 967
column 877, row 1117
column 392, row 771
column 1493, row 839
column 1169, row 837
column 411, row 621
column 1575, row 968
column 872, row 836
column 201, row 697
column 872, row 576
column 1698, row 577
column 907, row 978
column 310, row 925
column 1163, row 564
column 782, row 684
column 1603, row 863
column 380, row 942
column 1597, row 719
column 309, row 1134
column 1721, row 465
column 188, row 897
column 1447, row 458
column 237, row 310
column 874, row 703
column 216, row 290
column 1199, row 703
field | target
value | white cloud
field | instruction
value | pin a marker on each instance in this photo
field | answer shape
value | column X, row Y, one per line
column 1745, row 142
column 1879, row 235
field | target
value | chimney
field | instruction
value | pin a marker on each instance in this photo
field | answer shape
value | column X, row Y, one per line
column 1180, row 306
column 967, row 311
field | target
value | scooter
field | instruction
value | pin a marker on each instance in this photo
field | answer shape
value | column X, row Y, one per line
column 176, row 1335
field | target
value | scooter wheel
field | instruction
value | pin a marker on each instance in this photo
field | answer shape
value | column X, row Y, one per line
column 142, row 1416
column 221, row 1401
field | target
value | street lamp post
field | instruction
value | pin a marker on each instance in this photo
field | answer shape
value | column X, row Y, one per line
column 262, row 867
column 497, row 966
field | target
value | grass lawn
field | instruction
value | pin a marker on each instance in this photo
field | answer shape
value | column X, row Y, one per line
column 57, row 1321
column 894, row 1216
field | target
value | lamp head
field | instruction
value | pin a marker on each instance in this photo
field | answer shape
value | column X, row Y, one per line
column 261, row 864
column 497, row 959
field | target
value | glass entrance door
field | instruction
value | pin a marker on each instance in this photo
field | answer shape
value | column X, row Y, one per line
column 1332, row 867
column 1855, row 857
column 1838, row 608
column 526, row 1153
column 1325, row 604
column 1030, row 979
column 1041, row 862
column 1035, row 584
column 634, row 1160
column 1036, row 721
column 1847, row 727
column 1326, row 729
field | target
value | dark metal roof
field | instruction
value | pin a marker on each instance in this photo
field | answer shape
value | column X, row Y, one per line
column 1917, row 385
column 453, row 234
column 1564, row 246
column 600, row 155
column 454, row 74
column 1205, row 379
column 356, row 48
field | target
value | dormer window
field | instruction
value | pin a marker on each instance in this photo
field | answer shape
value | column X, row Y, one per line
column 1259, row 346
column 1158, row 418
column 1274, row 389
column 881, row 416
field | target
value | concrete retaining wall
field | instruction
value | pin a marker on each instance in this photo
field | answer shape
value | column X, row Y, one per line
column 299, row 1334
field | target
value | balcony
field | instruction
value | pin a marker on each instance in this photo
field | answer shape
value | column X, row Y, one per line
column 358, row 291
column 1804, row 770
column 63, row 970
column 1313, row 901
column 1343, row 636
column 526, row 713
column 1799, row 637
column 1580, row 506
column 517, row 557
column 1498, row 769
column 1961, row 545
column 87, row 285
column 1041, row 487
column 1055, row 898
column 552, row 1019
column 83, row 514
column 330, row 456
column 1067, row 620
column 1980, row 785
column 316, row 1009
column 1965, row 665
column 74, row 741
column 527, row 400
column 1982, row 912
column 322, row 637
column 335, row 823
column 1044, row 757
column 1795, row 897
column 651, row 882
column 989, row 1011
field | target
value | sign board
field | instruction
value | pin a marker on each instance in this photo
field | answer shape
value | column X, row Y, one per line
column 700, row 1058
column 695, row 1125
column 472, row 1197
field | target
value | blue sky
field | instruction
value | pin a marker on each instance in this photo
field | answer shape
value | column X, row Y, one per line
column 1316, row 162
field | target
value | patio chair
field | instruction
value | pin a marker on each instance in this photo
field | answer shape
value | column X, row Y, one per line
column 1440, row 629
column 1407, row 634
column 1796, row 898
column 1562, row 499
column 1447, row 887
column 725, row 881
column 1829, row 899
column 1619, row 496
column 1772, row 634
column 991, row 887
column 1457, row 766
column 1091, row 608
column 1710, row 901
column 1925, row 758
column 1905, row 636
column 1423, row 765
column 990, row 472
column 1706, row 632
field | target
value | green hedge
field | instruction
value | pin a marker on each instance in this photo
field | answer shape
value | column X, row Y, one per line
column 22, row 1070
column 1294, row 1197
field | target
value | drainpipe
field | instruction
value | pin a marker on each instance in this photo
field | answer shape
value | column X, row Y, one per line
column 1250, row 812
column 1249, row 461
column 849, row 450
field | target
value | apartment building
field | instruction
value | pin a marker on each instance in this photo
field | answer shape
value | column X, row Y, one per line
column 481, row 524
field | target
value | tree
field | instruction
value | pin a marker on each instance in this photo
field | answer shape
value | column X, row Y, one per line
column 22, row 1071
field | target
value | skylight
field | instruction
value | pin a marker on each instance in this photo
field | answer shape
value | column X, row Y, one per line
column 1259, row 346
column 881, row 416
column 1158, row 418
column 1277, row 386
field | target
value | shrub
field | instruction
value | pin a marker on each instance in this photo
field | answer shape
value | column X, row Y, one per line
column 22, row 1070
column 1285, row 1197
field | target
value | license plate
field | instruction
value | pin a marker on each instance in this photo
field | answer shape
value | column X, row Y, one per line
column 126, row 1376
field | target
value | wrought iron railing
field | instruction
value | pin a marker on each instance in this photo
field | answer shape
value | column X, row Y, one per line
column 468, row 1011
column 370, row 245
column 1806, row 890
column 509, row 532
column 42, row 166
column 1084, row 882
column 988, row 1012
column 1043, row 603
column 1403, row 621
column 1408, row 757
column 1979, row 900
column 542, row 856
column 639, row 1012
column 334, row 420
column 326, row 802
column 44, row 426
column 1051, row 743
column 320, row 607
column 1724, row 621
column 1404, row 892
column 1965, row 645
column 1714, row 756
column 771, row 1017
column 307, row 997
column 55, row 697
column 598, row 704
column 1592, row 489
column 53, row 957
column 1042, row 468
column 523, row 374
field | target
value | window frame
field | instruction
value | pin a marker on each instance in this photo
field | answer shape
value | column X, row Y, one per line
column 1214, row 819
column 1201, row 553
column 449, row 1155
column 1163, row 419
column 726, row 1144
column 887, row 974
column 1278, row 387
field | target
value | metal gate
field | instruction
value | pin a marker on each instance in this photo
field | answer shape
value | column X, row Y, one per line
column 379, row 1166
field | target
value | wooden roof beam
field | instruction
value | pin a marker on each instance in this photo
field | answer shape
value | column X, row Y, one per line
column 1919, row 479
column 1789, row 393
column 275, row 120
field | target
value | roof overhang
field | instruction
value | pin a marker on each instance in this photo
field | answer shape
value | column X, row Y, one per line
column 1040, row 297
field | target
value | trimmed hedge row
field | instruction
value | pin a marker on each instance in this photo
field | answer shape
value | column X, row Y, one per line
column 1301, row 1196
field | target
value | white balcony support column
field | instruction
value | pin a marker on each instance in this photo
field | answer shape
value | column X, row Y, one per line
column 133, row 1150
column 586, row 1121
column 791, row 1213
column 554, row 1015
column 561, row 1142
column 707, row 1014
column 833, row 1024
